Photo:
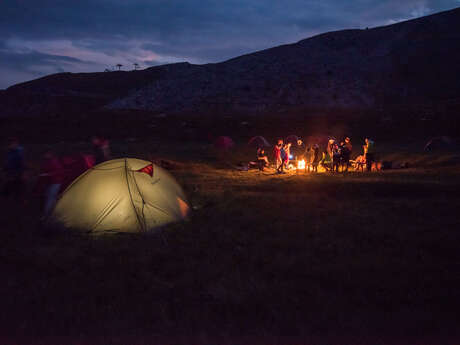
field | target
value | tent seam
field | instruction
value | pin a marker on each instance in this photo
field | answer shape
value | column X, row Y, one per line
column 131, row 197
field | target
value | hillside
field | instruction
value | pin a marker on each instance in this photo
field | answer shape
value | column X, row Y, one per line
column 413, row 63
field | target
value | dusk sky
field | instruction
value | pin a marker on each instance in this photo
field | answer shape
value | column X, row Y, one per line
column 40, row 37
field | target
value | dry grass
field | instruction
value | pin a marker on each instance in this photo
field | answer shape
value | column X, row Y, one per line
column 262, row 255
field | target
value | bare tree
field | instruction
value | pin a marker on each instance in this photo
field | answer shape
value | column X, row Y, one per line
column 136, row 66
column 119, row 65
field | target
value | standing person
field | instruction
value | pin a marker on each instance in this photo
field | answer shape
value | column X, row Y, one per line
column 348, row 144
column 101, row 149
column 342, row 155
column 277, row 154
column 284, row 159
column 316, row 158
column 14, row 169
column 52, row 173
column 346, row 153
column 336, row 158
column 330, row 147
column 298, row 150
column 287, row 149
column 369, row 153
column 308, row 156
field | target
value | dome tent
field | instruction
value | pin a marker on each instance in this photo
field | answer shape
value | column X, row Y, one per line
column 121, row 195
column 292, row 138
column 259, row 141
column 223, row 143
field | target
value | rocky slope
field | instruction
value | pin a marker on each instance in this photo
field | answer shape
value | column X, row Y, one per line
column 409, row 63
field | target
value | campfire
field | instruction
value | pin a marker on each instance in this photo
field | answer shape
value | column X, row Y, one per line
column 301, row 164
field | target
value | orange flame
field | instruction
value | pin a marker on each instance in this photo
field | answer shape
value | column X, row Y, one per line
column 301, row 164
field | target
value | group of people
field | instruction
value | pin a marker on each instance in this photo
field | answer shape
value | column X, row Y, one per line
column 284, row 153
column 56, row 172
column 336, row 157
column 339, row 154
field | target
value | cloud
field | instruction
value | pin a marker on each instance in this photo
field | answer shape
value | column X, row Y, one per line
column 102, row 33
column 24, row 64
column 30, row 59
column 411, row 10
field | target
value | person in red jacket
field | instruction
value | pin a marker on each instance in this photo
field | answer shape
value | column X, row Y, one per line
column 277, row 154
column 52, row 175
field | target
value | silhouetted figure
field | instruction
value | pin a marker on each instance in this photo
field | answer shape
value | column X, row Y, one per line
column 326, row 160
column 298, row 150
column 101, row 149
column 346, row 153
column 287, row 156
column 369, row 153
column 262, row 159
column 336, row 157
column 51, row 177
column 277, row 156
column 330, row 147
column 316, row 158
column 14, row 170
column 308, row 156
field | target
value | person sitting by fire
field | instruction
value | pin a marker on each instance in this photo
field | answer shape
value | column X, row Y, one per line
column 262, row 159
column 359, row 163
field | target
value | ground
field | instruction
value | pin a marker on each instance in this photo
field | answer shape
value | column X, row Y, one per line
column 313, row 256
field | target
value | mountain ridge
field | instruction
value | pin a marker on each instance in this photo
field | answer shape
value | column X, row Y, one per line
column 408, row 63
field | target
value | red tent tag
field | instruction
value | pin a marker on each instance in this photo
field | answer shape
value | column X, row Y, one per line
column 147, row 169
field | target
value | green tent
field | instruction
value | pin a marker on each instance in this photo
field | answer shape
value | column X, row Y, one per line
column 122, row 195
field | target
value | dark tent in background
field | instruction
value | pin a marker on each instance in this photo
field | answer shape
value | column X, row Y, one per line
column 258, row 141
column 439, row 143
column 319, row 139
column 223, row 143
column 292, row 138
column 74, row 166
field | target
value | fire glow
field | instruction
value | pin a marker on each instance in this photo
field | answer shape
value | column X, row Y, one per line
column 301, row 164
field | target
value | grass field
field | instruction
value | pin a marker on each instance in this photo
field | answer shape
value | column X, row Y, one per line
column 306, row 255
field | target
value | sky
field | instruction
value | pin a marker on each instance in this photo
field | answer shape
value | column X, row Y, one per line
column 41, row 37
